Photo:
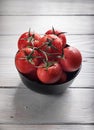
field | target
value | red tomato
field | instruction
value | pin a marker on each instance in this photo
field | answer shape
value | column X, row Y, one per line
column 58, row 33
column 50, row 74
column 63, row 77
column 72, row 59
column 33, row 75
column 26, row 60
column 51, row 44
column 28, row 39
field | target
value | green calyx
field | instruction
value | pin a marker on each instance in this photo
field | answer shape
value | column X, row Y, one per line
column 30, row 57
column 53, row 30
column 47, row 64
column 30, row 38
column 49, row 43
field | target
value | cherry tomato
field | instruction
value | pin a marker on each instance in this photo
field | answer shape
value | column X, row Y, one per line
column 26, row 60
column 33, row 75
column 58, row 33
column 71, row 60
column 49, row 74
column 28, row 39
column 63, row 77
column 51, row 44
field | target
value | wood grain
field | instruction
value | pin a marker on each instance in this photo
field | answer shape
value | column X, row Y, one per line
column 22, row 109
column 11, row 25
column 47, row 127
column 22, row 106
column 85, row 43
column 46, row 7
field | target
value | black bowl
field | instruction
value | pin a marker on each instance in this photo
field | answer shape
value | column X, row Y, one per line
column 56, row 88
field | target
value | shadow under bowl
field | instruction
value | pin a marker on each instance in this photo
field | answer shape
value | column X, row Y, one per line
column 49, row 88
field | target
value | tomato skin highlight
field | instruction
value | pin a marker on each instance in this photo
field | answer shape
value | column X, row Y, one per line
column 72, row 59
column 49, row 75
column 23, row 41
column 23, row 64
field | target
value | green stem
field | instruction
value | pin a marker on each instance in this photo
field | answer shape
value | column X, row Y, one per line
column 60, row 33
column 46, row 58
column 29, row 32
column 53, row 30
column 30, row 55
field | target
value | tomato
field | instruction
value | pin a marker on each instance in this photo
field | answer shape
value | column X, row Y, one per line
column 63, row 77
column 26, row 60
column 72, row 59
column 51, row 44
column 58, row 33
column 50, row 74
column 33, row 75
column 28, row 39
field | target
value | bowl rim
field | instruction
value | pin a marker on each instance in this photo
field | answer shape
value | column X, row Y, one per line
column 55, row 84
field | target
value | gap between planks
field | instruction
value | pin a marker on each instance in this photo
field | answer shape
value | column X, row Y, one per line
column 47, row 15
column 68, row 34
column 13, row 87
column 55, row 123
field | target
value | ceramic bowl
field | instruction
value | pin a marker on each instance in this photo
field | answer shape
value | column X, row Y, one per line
column 49, row 88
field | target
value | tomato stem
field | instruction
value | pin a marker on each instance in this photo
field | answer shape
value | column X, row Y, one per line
column 46, row 58
column 47, row 64
column 29, row 32
column 61, row 33
column 53, row 30
column 30, row 56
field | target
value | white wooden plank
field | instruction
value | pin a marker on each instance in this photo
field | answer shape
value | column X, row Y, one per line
column 22, row 106
column 83, row 42
column 40, row 24
column 47, row 127
column 46, row 7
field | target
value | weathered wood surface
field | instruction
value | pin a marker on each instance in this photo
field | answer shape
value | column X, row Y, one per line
column 22, row 106
column 47, row 7
column 22, row 109
column 47, row 127
column 11, row 25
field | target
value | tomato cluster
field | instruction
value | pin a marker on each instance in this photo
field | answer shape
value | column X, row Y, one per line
column 47, row 59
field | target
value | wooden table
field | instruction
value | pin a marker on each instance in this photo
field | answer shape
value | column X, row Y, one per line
column 22, row 109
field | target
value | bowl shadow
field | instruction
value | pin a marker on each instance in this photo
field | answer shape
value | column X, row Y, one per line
column 35, row 108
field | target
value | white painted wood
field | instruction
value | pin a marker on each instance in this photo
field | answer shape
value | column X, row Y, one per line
column 47, row 127
column 40, row 24
column 22, row 106
column 85, row 43
column 46, row 7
